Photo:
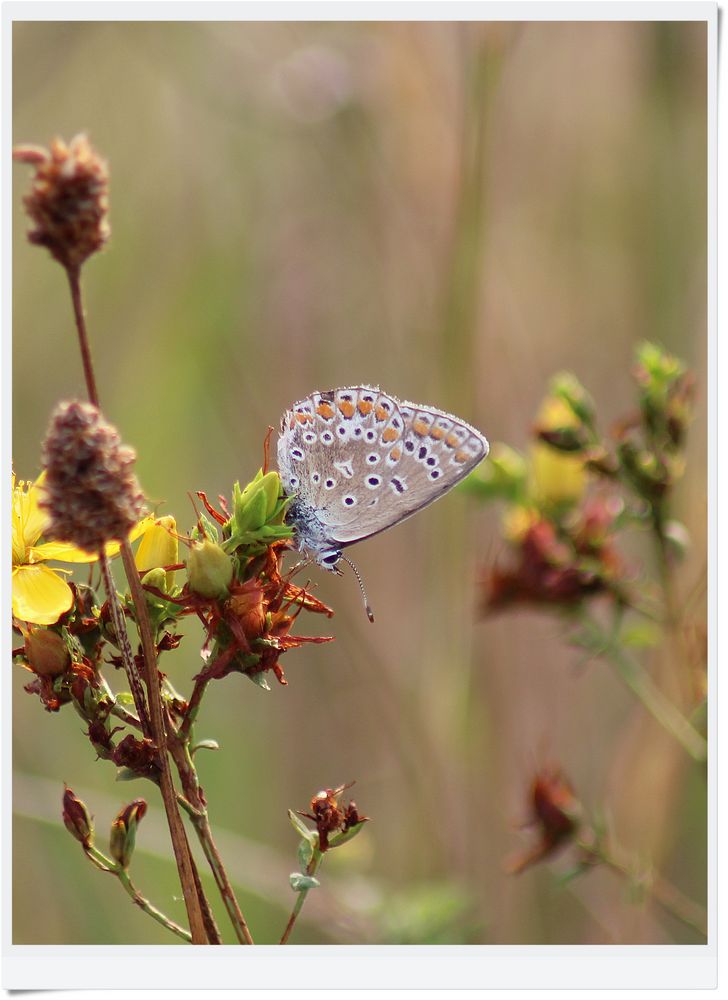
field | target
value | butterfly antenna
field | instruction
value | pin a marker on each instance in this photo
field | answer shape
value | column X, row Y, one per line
column 370, row 613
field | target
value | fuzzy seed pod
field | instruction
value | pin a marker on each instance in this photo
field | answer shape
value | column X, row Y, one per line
column 90, row 490
column 68, row 202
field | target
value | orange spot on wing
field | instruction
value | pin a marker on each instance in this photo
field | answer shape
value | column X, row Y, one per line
column 395, row 453
column 365, row 407
column 437, row 433
column 420, row 427
column 346, row 407
column 325, row 410
column 452, row 440
column 380, row 413
column 461, row 456
column 304, row 418
column 390, row 434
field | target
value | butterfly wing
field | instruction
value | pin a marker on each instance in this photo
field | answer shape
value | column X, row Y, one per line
column 365, row 461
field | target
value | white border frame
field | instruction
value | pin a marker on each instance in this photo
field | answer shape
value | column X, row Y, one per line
column 365, row 967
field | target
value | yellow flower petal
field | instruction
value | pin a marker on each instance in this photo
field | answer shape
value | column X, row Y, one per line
column 66, row 552
column 39, row 595
column 159, row 547
column 28, row 520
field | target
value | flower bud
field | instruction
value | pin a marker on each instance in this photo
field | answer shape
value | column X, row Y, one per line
column 123, row 832
column 257, row 503
column 209, row 569
column 77, row 819
column 46, row 652
column 568, row 388
column 159, row 547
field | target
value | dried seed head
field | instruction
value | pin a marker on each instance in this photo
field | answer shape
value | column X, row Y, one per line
column 90, row 490
column 68, row 202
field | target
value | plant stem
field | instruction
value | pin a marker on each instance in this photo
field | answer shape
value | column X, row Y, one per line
column 197, row 812
column 311, row 869
column 641, row 684
column 668, row 896
column 193, row 707
column 74, row 280
column 153, row 912
column 661, row 708
column 122, row 637
column 105, row 864
column 169, row 796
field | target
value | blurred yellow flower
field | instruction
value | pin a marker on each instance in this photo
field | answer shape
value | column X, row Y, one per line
column 556, row 476
column 40, row 594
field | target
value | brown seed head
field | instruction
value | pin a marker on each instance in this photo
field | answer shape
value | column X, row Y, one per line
column 68, row 202
column 90, row 490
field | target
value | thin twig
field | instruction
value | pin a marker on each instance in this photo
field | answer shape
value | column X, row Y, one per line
column 122, row 638
column 107, row 865
column 74, row 280
column 311, row 869
column 668, row 896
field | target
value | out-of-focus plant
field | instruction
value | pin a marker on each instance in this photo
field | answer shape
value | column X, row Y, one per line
column 87, row 506
column 575, row 505
column 561, row 824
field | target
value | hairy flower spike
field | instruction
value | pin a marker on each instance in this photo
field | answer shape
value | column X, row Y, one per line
column 68, row 202
column 91, row 492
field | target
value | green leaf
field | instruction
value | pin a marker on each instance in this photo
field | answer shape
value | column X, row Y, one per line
column 300, row 827
column 302, row 883
column 259, row 679
column 346, row 835
column 126, row 774
column 305, row 853
column 205, row 745
column 644, row 635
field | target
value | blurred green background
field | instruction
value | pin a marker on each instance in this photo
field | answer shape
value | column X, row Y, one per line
column 453, row 211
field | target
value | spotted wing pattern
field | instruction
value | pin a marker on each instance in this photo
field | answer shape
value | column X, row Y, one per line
column 364, row 461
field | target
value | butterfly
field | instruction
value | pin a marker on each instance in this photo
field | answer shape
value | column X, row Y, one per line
column 357, row 461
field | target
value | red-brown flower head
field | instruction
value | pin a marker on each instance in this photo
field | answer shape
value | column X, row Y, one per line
column 555, row 811
column 68, row 202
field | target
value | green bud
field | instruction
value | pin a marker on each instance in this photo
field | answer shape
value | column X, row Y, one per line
column 257, row 503
column 123, row 832
column 209, row 569
column 567, row 387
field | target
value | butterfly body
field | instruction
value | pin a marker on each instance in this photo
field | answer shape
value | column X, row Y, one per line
column 357, row 460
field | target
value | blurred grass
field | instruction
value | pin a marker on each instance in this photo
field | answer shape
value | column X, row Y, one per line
column 454, row 211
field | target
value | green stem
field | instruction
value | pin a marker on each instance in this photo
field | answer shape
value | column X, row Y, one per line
column 661, row 708
column 311, row 869
column 668, row 896
column 194, row 805
column 147, row 907
column 105, row 864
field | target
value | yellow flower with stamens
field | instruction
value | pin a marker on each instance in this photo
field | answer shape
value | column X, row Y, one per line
column 40, row 594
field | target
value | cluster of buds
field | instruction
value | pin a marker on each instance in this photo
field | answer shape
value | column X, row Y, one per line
column 556, row 814
column 79, row 823
column 562, row 530
column 235, row 585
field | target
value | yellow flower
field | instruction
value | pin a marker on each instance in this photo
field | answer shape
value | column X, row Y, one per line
column 40, row 594
column 556, row 477
column 158, row 548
